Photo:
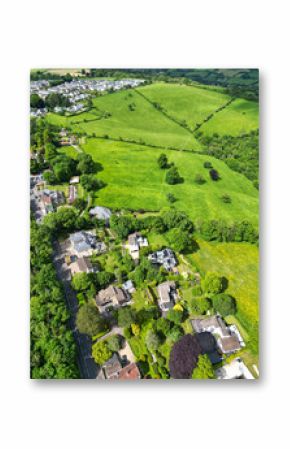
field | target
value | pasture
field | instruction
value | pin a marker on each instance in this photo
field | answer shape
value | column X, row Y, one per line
column 189, row 103
column 132, row 118
column 241, row 116
column 135, row 181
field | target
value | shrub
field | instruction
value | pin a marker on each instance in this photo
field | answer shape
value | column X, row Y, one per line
column 135, row 329
column 214, row 174
column 125, row 317
column 198, row 305
column 226, row 198
column 175, row 333
column 114, row 343
column 152, row 340
column 163, row 326
column 101, row 352
column 199, row 179
column 207, row 164
column 171, row 198
column 176, row 316
column 204, row 368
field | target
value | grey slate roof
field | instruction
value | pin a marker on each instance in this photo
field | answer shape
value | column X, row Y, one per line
column 102, row 213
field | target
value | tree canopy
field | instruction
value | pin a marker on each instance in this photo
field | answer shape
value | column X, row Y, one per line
column 180, row 240
column 162, row 161
column 204, row 368
column 224, row 304
column 183, row 357
column 89, row 321
column 212, row 283
column 173, row 177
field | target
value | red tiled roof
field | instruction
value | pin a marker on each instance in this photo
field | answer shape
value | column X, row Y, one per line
column 129, row 372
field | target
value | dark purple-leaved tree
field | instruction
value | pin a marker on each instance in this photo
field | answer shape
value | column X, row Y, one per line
column 183, row 357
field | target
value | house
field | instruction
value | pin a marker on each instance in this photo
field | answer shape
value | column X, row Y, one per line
column 130, row 372
column 74, row 180
column 236, row 369
column 112, row 297
column 101, row 213
column 50, row 200
column 82, row 265
column 85, row 244
column 110, row 369
column 135, row 242
column 164, row 257
column 229, row 344
column 167, row 295
column 213, row 324
column 63, row 132
column 129, row 286
column 228, row 340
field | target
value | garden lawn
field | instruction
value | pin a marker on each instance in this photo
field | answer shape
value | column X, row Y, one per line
column 241, row 116
column 134, row 181
column 189, row 103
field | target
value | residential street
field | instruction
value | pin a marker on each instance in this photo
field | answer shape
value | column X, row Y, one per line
column 87, row 366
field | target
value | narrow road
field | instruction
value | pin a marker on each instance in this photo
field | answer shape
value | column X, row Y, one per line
column 87, row 366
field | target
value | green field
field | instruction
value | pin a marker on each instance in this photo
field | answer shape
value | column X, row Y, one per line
column 134, row 181
column 241, row 116
column 144, row 124
column 239, row 263
column 189, row 103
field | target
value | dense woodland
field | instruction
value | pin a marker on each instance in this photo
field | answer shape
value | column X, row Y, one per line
column 53, row 350
column 241, row 153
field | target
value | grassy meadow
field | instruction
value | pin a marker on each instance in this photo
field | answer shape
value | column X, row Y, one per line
column 134, row 181
column 240, row 117
column 239, row 263
column 144, row 123
column 189, row 103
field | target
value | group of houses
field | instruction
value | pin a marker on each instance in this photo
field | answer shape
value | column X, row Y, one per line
column 79, row 88
column 43, row 201
column 81, row 246
column 77, row 91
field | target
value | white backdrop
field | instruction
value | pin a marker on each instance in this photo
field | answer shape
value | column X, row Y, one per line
column 155, row 33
